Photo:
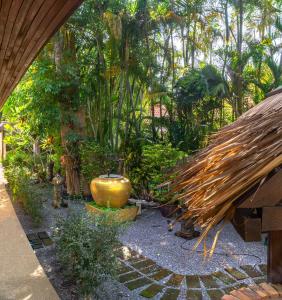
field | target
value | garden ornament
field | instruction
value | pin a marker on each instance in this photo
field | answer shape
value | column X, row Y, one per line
column 58, row 201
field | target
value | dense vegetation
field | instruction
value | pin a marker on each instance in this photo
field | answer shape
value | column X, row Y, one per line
column 126, row 86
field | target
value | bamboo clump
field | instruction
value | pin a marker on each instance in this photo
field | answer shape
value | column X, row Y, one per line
column 237, row 158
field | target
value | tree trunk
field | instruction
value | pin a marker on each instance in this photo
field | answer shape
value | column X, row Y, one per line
column 72, row 113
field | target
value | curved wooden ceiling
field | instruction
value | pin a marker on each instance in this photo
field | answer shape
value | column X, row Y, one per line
column 25, row 27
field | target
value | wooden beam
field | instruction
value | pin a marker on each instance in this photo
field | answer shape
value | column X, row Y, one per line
column 274, row 264
column 268, row 194
column 272, row 219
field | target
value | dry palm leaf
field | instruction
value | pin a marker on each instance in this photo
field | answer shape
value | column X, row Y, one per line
column 238, row 157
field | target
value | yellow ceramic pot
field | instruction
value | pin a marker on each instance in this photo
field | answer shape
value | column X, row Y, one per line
column 110, row 191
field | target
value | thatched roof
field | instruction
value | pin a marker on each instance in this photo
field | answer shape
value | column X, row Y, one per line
column 237, row 158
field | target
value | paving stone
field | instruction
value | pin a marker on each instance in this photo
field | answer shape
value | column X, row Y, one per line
column 34, row 247
column 260, row 280
column 161, row 274
column 136, row 259
column 151, row 269
column 143, row 264
column 209, row 281
column 135, row 284
column 43, row 235
column 251, row 271
column 151, row 291
column 170, row 294
column 215, row 294
column 192, row 281
column 47, row 242
column 36, row 242
column 31, row 236
column 124, row 269
column 128, row 277
column 235, row 287
column 236, row 273
column 224, row 277
column 175, row 280
column 263, row 268
column 194, row 295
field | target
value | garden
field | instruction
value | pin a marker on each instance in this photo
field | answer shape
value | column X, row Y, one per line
column 138, row 142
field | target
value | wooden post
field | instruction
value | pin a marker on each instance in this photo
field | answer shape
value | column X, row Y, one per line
column 274, row 259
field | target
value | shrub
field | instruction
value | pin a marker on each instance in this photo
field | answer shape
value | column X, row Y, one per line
column 85, row 249
column 156, row 162
column 20, row 186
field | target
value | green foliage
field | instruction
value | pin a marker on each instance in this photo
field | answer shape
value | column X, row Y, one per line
column 85, row 247
column 18, row 177
column 96, row 159
column 157, row 161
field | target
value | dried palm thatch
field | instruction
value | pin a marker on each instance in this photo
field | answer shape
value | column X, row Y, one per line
column 238, row 157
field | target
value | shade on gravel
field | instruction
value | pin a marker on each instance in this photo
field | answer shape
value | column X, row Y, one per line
column 149, row 236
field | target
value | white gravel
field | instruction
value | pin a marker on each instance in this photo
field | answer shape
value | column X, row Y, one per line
column 149, row 235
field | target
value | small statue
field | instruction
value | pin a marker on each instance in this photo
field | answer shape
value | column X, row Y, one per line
column 58, row 182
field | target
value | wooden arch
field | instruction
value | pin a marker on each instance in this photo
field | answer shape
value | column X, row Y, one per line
column 25, row 27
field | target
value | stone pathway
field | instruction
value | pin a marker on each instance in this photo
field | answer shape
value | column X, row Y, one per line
column 152, row 281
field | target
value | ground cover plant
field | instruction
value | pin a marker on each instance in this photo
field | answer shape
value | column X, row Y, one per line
column 85, row 248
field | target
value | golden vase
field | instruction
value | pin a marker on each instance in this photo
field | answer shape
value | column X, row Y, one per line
column 110, row 190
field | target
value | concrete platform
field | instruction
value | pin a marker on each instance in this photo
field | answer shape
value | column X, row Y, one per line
column 21, row 275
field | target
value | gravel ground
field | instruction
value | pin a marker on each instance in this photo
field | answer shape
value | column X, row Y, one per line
column 149, row 236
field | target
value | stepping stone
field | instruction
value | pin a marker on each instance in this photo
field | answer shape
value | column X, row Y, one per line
column 36, row 242
column 133, row 285
column 143, row 264
column 151, row 291
column 31, row 236
column 232, row 288
column 209, row 281
column 194, row 295
column 193, row 282
column 215, row 294
column 34, row 247
column 47, row 242
column 224, row 277
column 170, row 294
column 175, row 280
column 136, row 259
column 236, row 273
column 128, row 277
column 124, row 269
column 151, row 269
column 43, row 235
column 161, row 274
column 251, row 271
column 263, row 268
column 260, row 280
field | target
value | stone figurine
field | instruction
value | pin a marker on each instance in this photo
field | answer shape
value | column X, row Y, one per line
column 58, row 182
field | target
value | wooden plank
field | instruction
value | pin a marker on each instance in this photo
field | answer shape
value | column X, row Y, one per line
column 25, row 27
column 274, row 257
column 272, row 218
column 31, row 30
column 17, row 36
column 269, row 194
